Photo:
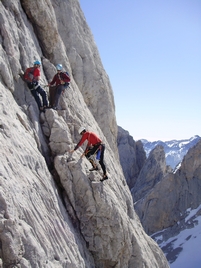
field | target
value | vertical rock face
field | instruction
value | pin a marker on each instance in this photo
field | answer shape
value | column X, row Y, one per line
column 166, row 204
column 175, row 150
column 86, row 66
column 151, row 173
column 132, row 156
column 53, row 212
column 35, row 230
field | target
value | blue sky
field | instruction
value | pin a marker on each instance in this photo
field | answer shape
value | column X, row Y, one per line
column 151, row 51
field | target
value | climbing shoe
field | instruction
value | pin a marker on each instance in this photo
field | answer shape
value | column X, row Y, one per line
column 42, row 110
column 105, row 177
column 94, row 168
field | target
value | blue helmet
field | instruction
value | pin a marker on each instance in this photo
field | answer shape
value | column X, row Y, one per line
column 59, row 67
column 37, row 62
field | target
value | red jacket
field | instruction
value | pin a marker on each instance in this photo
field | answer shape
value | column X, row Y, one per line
column 36, row 74
column 60, row 76
column 91, row 137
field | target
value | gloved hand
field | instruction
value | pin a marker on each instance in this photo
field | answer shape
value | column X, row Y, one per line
column 35, row 83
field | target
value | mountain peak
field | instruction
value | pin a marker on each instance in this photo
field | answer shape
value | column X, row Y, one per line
column 175, row 150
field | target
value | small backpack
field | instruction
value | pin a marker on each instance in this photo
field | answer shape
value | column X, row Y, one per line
column 66, row 83
column 66, row 74
column 28, row 74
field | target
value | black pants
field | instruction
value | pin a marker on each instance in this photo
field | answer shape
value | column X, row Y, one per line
column 59, row 90
column 39, row 91
column 93, row 151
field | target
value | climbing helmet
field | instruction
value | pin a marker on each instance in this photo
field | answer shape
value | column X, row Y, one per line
column 37, row 62
column 59, row 67
column 81, row 129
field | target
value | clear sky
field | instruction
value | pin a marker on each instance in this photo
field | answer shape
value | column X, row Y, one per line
column 151, row 51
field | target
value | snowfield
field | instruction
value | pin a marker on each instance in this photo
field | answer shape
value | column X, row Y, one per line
column 184, row 249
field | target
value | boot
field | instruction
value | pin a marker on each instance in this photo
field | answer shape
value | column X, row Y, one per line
column 105, row 177
column 94, row 167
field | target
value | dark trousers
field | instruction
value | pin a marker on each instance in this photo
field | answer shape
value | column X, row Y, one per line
column 59, row 90
column 93, row 151
column 40, row 91
column 55, row 93
column 52, row 93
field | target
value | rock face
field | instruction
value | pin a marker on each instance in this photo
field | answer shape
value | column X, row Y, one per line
column 175, row 150
column 165, row 204
column 168, row 201
column 53, row 212
column 132, row 156
column 151, row 173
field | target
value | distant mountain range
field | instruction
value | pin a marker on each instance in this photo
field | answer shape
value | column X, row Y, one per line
column 175, row 150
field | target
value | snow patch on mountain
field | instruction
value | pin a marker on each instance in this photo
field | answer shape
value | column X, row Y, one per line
column 175, row 150
column 183, row 248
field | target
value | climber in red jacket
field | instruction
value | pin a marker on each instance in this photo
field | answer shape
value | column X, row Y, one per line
column 94, row 146
column 61, row 80
column 32, row 77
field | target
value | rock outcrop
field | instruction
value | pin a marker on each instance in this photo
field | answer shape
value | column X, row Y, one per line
column 175, row 150
column 132, row 156
column 53, row 212
column 166, row 204
column 151, row 173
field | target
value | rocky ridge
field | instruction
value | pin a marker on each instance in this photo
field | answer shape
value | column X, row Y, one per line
column 132, row 156
column 150, row 174
column 181, row 188
column 53, row 212
column 181, row 194
column 163, row 198
column 175, row 150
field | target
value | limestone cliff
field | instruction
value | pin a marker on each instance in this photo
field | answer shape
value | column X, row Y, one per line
column 53, row 212
column 132, row 156
column 151, row 173
column 167, row 202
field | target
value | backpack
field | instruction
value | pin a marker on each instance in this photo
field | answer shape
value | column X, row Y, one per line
column 67, row 74
column 28, row 74
column 67, row 83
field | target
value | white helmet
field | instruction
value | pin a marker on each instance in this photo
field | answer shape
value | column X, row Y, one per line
column 81, row 129
column 59, row 67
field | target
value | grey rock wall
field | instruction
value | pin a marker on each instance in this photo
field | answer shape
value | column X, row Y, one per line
column 166, row 203
column 151, row 173
column 175, row 150
column 132, row 156
column 53, row 212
